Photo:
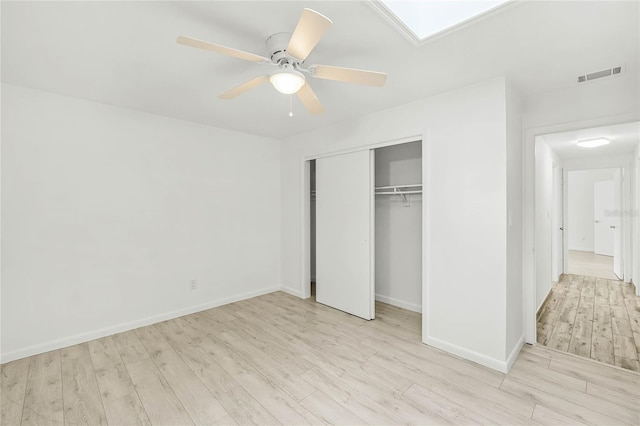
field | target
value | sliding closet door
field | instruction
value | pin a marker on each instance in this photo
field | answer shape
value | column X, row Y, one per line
column 344, row 233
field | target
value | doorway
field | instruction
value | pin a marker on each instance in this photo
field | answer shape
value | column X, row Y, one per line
column 584, row 245
column 594, row 246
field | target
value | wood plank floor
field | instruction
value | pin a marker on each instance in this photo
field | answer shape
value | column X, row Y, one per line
column 594, row 318
column 276, row 359
column 591, row 264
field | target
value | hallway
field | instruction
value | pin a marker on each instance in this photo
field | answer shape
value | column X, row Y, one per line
column 592, row 317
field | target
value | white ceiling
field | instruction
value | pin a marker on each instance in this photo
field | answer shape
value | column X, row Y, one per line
column 125, row 54
column 624, row 140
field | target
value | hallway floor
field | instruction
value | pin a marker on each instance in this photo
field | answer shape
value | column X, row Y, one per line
column 593, row 317
column 590, row 264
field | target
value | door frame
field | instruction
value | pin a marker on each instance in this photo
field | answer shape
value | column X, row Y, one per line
column 622, row 186
column 558, row 236
column 529, row 246
column 305, row 243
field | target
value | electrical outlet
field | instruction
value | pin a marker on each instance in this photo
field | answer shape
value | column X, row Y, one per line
column 193, row 285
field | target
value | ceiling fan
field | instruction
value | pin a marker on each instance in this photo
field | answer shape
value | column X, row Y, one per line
column 287, row 52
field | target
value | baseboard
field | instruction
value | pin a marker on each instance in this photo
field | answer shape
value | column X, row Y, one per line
column 399, row 303
column 515, row 352
column 291, row 291
column 538, row 311
column 479, row 358
column 108, row 331
column 584, row 249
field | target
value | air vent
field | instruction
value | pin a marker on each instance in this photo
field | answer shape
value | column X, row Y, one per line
column 599, row 74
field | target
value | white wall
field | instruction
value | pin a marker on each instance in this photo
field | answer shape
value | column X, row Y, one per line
column 580, row 226
column 545, row 160
column 398, row 232
column 109, row 213
column 514, row 165
column 464, row 134
column 597, row 101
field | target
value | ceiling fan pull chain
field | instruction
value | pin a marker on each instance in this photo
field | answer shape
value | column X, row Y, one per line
column 290, row 105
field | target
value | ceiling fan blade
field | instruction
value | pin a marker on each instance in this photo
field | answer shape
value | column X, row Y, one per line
column 218, row 48
column 309, row 99
column 310, row 29
column 349, row 75
column 244, row 87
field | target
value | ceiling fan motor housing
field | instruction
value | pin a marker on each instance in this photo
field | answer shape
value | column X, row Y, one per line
column 277, row 49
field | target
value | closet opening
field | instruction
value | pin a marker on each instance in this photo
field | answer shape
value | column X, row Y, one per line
column 398, row 225
column 382, row 211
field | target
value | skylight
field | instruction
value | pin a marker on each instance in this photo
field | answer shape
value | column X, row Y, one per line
column 425, row 18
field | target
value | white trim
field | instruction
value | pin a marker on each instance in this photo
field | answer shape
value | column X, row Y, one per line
column 514, row 353
column 372, row 234
column 543, row 301
column 294, row 292
column 399, row 303
column 305, row 243
column 408, row 139
column 582, row 249
column 426, row 197
column 394, row 21
column 477, row 357
column 108, row 331
column 565, row 222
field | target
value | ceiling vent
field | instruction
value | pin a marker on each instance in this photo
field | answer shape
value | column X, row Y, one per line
column 599, row 74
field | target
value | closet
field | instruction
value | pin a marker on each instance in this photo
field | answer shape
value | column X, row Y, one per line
column 366, row 228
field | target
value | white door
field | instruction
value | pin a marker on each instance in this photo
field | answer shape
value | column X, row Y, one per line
column 616, row 224
column 344, row 233
column 603, row 205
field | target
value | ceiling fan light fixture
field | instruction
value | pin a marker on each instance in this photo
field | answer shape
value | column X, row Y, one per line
column 287, row 81
column 593, row 143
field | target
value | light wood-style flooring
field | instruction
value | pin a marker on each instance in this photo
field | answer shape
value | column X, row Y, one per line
column 594, row 318
column 277, row 359
column 590, row 264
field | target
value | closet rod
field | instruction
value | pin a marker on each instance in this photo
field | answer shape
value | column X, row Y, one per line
column 399, row 193
column 399, row 186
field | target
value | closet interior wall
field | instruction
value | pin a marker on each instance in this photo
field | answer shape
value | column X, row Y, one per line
column 398, row 227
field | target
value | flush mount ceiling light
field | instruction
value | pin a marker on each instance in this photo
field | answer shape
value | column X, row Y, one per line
column 593, row 143
column 287, row 80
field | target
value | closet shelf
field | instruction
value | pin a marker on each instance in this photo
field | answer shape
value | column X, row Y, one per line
column 402, row 190
column 417, row 185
